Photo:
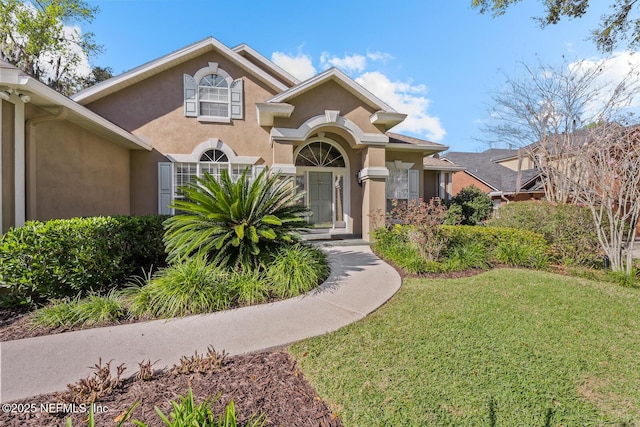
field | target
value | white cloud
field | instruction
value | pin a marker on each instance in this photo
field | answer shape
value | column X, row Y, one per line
column 299, row 65
column 379, row 56
column 406, row 98
column 349, row 63
column 620, row 67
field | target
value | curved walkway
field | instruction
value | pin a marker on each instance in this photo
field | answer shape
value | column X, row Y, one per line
column 359, row 283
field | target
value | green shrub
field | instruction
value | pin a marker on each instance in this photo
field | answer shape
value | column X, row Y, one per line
column 234, row 224
column 189, row 287
column 467, row 247
column 93, row 310
column 394, row 245
column 569, row 229
column 518, row 254
column 75, row 257
column 249, row 287
column 296, row 269
column 468, row 255
column 490, row 237
column 471, row 206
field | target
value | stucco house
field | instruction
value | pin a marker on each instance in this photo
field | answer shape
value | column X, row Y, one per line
column 125, row 145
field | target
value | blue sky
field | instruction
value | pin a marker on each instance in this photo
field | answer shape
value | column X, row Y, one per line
column 437, row 60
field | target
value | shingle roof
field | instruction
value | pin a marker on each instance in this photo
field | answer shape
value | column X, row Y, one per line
column 484, row 166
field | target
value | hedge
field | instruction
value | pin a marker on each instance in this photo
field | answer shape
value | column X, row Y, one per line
column 569, row 229
column 75, row 257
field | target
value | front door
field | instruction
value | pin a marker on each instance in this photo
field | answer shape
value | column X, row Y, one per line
column 321, row 198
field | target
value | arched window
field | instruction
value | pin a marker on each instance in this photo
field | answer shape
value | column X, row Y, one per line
column 213, row 96
column 214, row 156
column 321, row 154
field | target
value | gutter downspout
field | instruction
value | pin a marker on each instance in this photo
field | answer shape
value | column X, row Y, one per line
column 30, row 126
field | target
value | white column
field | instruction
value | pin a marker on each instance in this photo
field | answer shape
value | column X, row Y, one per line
column 1, row 147
column 19, row 165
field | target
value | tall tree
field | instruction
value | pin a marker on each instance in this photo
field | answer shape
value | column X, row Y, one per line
column 621, row 24
column 544, row 110
column 575, row 125
column 39, row 37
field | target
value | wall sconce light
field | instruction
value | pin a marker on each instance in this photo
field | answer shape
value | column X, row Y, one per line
column 6, row 94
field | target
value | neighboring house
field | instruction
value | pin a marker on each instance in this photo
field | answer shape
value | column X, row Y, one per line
column 438, row 177
column 501, row 173
column 125, row 145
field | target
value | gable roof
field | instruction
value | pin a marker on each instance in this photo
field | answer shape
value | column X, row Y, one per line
column 334, row 74
column 245, row 50
column 48, row 99
column 484, row 166
column 177, row 57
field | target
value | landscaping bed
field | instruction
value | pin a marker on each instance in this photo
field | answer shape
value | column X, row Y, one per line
column 266, row 382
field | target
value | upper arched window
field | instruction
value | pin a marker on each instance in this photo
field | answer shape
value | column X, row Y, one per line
column 321, row 154
column 212, row 95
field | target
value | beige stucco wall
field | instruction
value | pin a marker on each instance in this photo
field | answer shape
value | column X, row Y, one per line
column 512, row 164
column 328, row 96
column 6, row 168
column 77, row 173
column 153, row 109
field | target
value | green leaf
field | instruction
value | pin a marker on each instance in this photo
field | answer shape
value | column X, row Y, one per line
column 271, row 220
column 239, row 231
column 268, row 233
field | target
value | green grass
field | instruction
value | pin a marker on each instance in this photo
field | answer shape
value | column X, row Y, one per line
column 505, row 348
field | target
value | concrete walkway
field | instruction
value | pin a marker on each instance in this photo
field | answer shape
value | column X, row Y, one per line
column 359, row 283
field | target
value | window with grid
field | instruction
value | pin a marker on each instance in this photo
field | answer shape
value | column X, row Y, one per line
column 213, row 96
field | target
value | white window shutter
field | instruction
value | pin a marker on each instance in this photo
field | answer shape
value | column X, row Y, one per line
column 237, row 107
column 190, row 96
column 165, row 188
column 414, row 184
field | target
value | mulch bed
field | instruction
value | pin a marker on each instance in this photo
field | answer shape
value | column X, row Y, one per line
column 267, row 383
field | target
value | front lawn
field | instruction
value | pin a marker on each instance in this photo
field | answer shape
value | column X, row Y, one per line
column 507, row 347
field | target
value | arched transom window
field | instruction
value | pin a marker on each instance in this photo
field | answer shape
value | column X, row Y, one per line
column 321, row 154
column 214, row 156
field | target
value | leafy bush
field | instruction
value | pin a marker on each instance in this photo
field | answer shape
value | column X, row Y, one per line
column 424, row 220
column 249, row 287
column 393, row 245
column 189, row 287
column 471, row 206
column 234, row 224
column 467, row 247
column 93, row 310
column 66, row 258
column 518, row 254
column 296, row 269
column 468, row 255
column 490, row 237
column 569, row 229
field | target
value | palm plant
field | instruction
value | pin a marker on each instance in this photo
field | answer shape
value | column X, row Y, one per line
column 234, row 224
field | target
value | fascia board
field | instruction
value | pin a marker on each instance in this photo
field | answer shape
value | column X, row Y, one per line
column 342, row 78
column 267, row 63
column 86, row 116
column 153, row 67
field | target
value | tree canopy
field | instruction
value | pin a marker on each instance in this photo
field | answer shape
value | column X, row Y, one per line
column 620, row 25
column 41, row 38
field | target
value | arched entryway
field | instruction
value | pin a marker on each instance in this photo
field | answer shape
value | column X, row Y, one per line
column 322, row 171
